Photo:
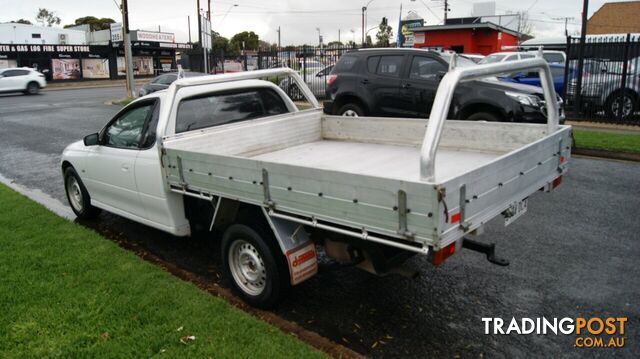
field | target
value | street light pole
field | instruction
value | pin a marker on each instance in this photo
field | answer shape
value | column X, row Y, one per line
column 364, row 19
column 127, row 50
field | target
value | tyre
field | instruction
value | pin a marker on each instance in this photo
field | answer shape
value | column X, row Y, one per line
column 350, row 110
column 294, row 92
column 32, row 88
column 78, row 196
column 625, row 103
column 483, row 116
column 254, row 266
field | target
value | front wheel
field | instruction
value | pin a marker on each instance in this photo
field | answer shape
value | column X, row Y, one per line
column 254, row 265
column 78, row 196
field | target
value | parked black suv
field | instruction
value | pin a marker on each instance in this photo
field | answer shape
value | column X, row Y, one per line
column 403, row 83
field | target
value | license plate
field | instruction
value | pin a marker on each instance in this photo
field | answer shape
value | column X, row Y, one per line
column 515, row 211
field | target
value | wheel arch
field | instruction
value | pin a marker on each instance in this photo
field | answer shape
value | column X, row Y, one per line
column 350, row 98
column 470, row 108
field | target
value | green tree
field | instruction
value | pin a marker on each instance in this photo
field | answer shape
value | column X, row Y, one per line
column 47, row 17
column 246, row 40
column 220, row 43
column 335, row 43
column 384, row 33
column 94, row 23
column 22, row 21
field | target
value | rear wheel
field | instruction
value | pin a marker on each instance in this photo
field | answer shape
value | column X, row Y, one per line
column 32, row 88
column 78, row 196
column 350, row 110
column 254, row 266
column 483, row 116
column 622, row 105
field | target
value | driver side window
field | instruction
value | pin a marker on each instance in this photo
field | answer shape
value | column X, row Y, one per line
column 126, row 130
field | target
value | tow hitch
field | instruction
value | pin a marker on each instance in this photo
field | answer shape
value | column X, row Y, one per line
column 486, row 248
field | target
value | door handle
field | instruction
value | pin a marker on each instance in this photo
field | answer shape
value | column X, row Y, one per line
column 364, row 82
column 125, row 167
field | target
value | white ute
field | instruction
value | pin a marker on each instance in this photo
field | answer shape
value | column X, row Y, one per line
column 234, row 154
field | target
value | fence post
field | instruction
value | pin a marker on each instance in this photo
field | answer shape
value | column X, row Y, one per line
column 304, row 63
column 222, row 59
column 566, row 71
column 623, row 85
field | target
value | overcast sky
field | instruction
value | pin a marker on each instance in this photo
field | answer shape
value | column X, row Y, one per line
column 298, row 19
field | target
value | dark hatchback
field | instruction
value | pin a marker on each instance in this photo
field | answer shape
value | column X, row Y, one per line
column 403, row 83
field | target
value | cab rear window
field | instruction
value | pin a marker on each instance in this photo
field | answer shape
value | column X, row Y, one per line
column 226, row 107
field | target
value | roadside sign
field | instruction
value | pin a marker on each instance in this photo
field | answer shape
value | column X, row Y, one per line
column 116, row 32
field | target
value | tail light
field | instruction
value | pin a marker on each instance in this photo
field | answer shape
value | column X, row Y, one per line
column 556, row 182
column 438, row 257
column 331, row 79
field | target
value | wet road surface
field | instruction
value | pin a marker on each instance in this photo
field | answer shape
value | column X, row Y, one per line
column 574, row 254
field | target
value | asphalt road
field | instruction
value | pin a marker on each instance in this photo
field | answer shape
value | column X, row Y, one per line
column 574, row 254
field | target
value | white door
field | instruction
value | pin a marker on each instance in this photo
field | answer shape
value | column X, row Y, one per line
column 160, row 205
column 13, row 80
column 110, row 171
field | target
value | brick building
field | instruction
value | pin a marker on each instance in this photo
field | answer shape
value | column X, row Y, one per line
column 615, row 18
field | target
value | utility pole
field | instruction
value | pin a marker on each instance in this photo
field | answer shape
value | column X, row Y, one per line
column 127, row 50
column 364, row 8
column 446, row 10
column 338, row 35
column 566, row 20
column 199, row 23
column 583, row 39
column 279, row 45
column 189, row 26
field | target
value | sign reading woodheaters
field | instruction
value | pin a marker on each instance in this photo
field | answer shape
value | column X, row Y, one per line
column 140, row 35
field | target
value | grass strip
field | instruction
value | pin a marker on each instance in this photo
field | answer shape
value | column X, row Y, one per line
column 67, row 292
column 610, row 141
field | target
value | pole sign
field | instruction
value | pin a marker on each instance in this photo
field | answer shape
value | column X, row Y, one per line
column 406, row 36
column 206, row 33
column 116, row 32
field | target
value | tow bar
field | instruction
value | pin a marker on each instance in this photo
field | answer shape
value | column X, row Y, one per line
column 486, row 248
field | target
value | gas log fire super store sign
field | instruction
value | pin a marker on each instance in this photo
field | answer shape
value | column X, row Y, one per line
column 43, row 48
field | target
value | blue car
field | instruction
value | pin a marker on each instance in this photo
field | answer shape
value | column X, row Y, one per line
column 532, row 78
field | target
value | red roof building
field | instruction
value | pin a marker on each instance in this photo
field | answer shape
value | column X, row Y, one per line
column 476, row 38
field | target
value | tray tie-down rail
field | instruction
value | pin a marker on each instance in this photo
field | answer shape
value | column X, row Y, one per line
column 447, row 86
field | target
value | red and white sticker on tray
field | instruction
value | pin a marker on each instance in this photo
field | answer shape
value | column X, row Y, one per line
column 303, row 263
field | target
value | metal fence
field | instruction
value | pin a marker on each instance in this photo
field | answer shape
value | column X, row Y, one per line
column 607, row 88
column 313, row 63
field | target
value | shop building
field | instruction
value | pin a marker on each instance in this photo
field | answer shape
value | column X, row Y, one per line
column 472, row 38
column 77, row 54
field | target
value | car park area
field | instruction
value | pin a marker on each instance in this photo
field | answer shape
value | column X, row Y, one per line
column 574, row 254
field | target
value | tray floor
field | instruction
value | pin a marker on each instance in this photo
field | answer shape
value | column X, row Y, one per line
column 379, row 160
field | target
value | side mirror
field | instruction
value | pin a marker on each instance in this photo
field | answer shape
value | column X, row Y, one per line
column 92, row 140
